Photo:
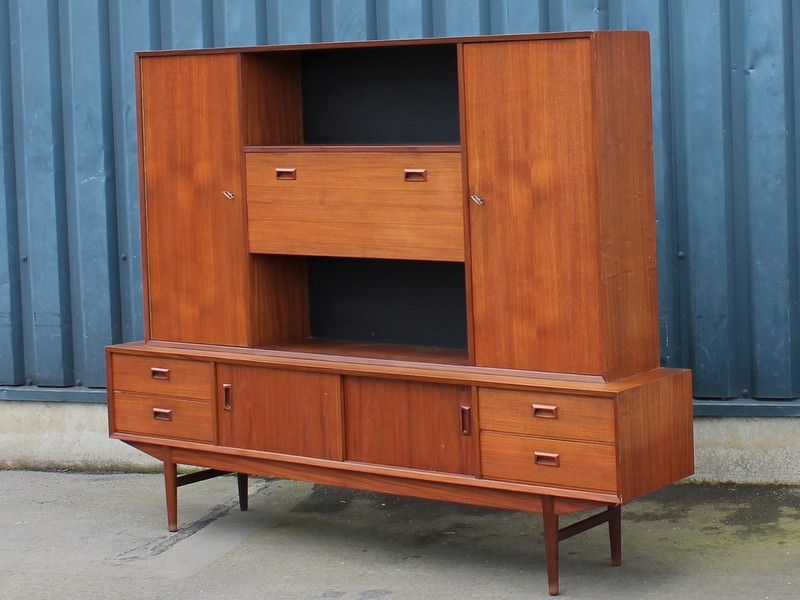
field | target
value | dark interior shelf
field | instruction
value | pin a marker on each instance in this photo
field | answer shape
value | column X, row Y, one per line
column 407, row 302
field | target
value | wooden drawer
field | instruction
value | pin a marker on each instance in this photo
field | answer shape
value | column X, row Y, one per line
column 548, row 462
column 163, row 417
column 547, row 415
column 404, row 205
column 163, row 376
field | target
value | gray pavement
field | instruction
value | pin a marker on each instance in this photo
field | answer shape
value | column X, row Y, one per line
column 71, row 535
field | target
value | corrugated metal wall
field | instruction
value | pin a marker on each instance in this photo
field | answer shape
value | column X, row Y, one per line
column 725, row 91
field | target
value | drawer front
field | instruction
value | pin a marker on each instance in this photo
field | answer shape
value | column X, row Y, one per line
column 547, row 415
column 405, row 205
column 172, row 377
column 548, row 462
column 163, row 417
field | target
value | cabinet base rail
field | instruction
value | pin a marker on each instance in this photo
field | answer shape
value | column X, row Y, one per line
column 550, row 509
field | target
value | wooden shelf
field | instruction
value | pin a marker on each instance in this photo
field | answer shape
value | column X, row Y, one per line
column 449, row 356
column 357, row 148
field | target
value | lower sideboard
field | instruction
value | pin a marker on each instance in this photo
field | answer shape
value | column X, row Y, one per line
column 457, row 433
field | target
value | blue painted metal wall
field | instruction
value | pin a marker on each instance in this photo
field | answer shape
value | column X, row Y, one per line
column 726, row 100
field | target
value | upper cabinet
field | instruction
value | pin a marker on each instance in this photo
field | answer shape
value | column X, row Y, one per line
column 195, row 246
column 483, row 201
column 563, row 252
column 201, row 285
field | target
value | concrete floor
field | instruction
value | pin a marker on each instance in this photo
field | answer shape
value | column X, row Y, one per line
column 69, row 535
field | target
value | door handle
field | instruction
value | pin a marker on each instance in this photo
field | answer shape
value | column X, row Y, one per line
column 227, row 396
column 466, row 421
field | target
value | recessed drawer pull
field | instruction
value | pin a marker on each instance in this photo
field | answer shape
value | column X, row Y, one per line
column 415, row 174
column 285, row 173
column 547, row 459
column 159, row 373
column 544, row 411
column 466, row 421
column 227, row 396
column 162, row 414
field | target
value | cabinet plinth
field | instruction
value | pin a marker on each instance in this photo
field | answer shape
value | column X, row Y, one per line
column 416, row 267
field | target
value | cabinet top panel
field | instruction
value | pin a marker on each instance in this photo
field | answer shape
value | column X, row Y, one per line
column 439, row 372
column 396, row 42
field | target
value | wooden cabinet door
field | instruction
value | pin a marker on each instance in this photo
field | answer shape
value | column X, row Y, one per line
column 410, row 424
column 291, row 412
column 534, row 241
column 195, row 243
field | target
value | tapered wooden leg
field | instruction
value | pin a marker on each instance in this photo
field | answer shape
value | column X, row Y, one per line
column 550, row 521
column 241, row 480
column 171, row 487
column 615, row 534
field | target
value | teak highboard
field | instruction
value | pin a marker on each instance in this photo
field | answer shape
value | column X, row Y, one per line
column 420, row 267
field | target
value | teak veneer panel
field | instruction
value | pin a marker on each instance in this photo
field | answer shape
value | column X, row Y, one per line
column 271, row 118
column 626, row 188
column 409, row 424
column 394, row 352
column 356, row 204
column 201, row 284
column 579, row 465
column 558, row 416
column 564, row 240
column 179, row 419
column 163, row 376
column 413, row 369
column 194, row 239
column 655, row 433
column 535, row 276
column 290, row 412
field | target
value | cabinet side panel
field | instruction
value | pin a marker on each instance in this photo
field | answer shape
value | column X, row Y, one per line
column 627, row 203
column 279, row 299
column 197, row 264
column 534, row 245
column 655, row 433
column 110, row 391
column 272, row 110
column 272, row 99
